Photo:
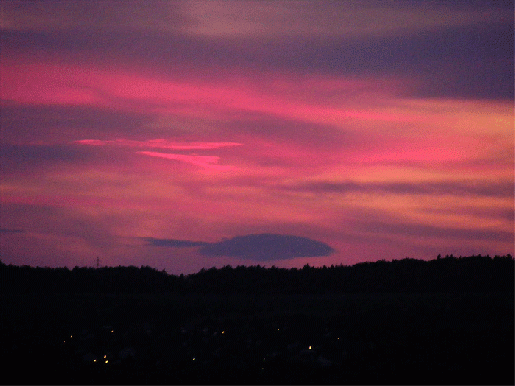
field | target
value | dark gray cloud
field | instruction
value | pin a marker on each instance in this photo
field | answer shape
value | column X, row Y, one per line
column 35, row 123
column 372, row 225
column 465, row 61
column 257, row 247
column 41, row 153
column 286, row 130
column 418, row 230
column 266, row 246
column 173, row 243
column 4, row 230
column 30, row 158
column 434, row 188
column 488, row 212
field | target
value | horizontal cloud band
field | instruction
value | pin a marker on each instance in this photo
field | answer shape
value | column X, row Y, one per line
column 474, row 188
column 4, row 230
column 159, row 144
column 173, row 243
column 259, row 247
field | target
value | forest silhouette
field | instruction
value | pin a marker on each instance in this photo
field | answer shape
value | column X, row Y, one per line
column 443, row 321
column 445, row 274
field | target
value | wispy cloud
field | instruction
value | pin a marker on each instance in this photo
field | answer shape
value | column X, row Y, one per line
column 173, row 243
column 455, row 188
column 158, row 144
column 7, row 230
column 204, row 161
column 232, row 19
column 435, row 231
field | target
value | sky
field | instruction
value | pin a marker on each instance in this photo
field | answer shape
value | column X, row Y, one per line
column 195, row 134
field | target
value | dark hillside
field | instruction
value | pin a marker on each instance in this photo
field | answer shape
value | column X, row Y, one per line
column 444, row 321
column 449, row 274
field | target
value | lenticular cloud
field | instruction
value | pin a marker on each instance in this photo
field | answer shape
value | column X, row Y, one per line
column 258, row 247
column 264, row 247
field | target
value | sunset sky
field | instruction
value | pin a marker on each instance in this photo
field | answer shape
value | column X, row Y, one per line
column 171, row 133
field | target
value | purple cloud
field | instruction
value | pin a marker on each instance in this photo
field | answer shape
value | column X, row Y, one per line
column 258, row 247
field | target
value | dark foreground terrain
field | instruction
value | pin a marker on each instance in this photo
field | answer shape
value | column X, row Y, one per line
column 258, row 337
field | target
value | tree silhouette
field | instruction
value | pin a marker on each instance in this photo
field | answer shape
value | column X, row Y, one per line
column 449, row 274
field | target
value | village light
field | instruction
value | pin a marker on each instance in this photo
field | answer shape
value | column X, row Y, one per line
column 310, row 347
column 106, row 361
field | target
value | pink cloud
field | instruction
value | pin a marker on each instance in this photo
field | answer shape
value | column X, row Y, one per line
column 204, row 161
column 363, row 121
column 49, row 82
column 159, row 144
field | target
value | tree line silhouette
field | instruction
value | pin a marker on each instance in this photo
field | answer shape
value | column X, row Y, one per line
column 399, row 322
column 444, row 274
